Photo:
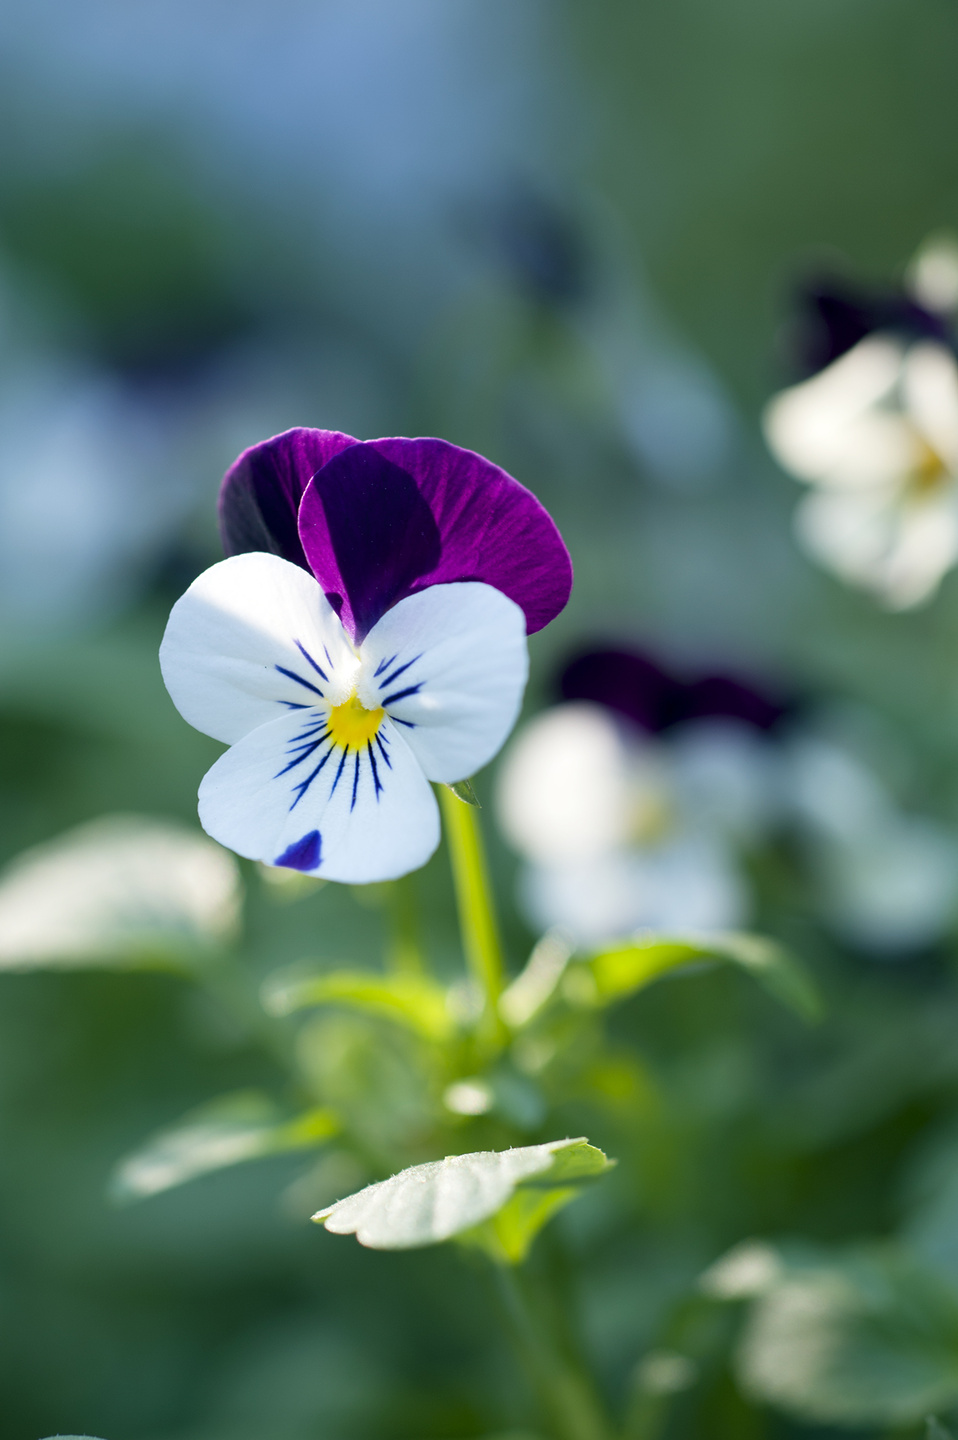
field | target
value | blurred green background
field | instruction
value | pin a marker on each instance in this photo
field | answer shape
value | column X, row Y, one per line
column 563, row 235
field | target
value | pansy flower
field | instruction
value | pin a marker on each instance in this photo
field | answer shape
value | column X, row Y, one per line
column 366, row 635
column 874, row 432
column 631, row 801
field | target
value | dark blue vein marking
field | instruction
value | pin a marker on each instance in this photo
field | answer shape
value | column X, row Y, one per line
column 372, row 760
column 307, row 657
column 307, row 751
column 291, row 675
column 402, row 694
column 338, row 773
column 383, row 665
column 329, row 657
column 382, row 750
column 409, row 724
column 303, row 854
column 294, row 705
column 306, row 734
column 304, row 785
column 396, row 673
column 352, row 803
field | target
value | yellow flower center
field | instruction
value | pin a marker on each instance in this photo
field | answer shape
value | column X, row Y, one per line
column 929, row 472
column 351, row 725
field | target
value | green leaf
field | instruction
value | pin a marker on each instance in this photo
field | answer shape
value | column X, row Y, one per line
column 242, row 1126
column 572, row 1162
column 537, row 981
column 453, row 1197
column 860, row 1337
column 614, row 973
column 414, row 1001
column 123, row 891
column 508, row 1234
column 462, row 789
column 934, row 1430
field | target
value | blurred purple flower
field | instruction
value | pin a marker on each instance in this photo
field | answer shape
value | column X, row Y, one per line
column 634, row 685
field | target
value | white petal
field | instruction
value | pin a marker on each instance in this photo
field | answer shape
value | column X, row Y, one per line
column 816, row 429
column 691, row 883
column 932, row 275
column 925, row 549
column 899, row 549
column 849, row 534
column 449, row 665
column 565, row 787
column 586, row 901
column 253, row 636
column 832, row 792
column 894, row 888
column 930, row 385
column 688, row 884
column 285, row 796
column 725, row 776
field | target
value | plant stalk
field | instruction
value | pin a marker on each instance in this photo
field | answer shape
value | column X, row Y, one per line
column 477, row 918
column 565, row 1393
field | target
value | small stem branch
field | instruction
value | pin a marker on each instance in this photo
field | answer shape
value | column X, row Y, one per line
column 564, row 1391
column 477, row 920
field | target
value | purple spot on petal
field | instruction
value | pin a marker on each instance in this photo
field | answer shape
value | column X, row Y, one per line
column 302, row 854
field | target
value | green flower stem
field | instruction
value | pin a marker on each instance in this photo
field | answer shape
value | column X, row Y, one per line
column 405, row 952
column 565, row 1393
column 477, row 920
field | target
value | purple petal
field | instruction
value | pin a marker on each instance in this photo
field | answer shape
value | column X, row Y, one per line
column 634, row 685
column 261, row 491
column 386, row 518
column 625, row 681
column 724, row 696
column 833, row 314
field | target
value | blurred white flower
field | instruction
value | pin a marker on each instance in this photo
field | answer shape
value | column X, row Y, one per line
column 621, row 831
column 876, row 434
column 886, row 881
column 686, row 884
